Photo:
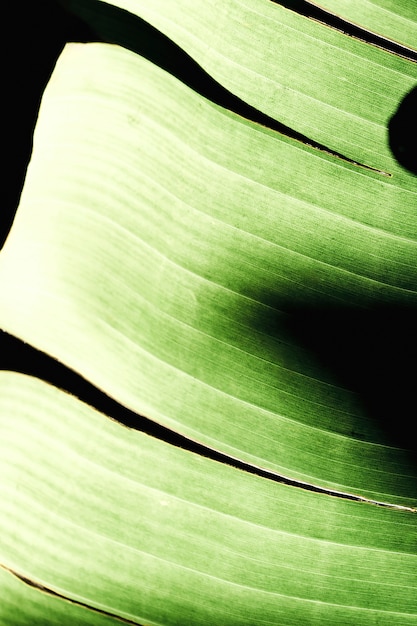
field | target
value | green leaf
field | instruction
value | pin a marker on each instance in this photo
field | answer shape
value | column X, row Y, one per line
column 129, row 525
column 245, row 281
column 25, row 602
column 334, row 89
column 151, row 260
column 394, row 20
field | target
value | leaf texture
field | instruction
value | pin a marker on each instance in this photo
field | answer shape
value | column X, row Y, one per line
column 145, row 531
column 332, row 88
column 231, row 257
column 152, row 261
column 394, row 20
column 24, row 602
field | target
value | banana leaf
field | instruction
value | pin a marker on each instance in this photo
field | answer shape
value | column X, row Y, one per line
column 240, row 272
column 122, row 524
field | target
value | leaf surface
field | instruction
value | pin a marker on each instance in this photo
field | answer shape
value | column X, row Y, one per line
column 231, row 255
column 137, row 528
column 394, row 20
column 334, row 89
column 161, row 247
column 24, row 602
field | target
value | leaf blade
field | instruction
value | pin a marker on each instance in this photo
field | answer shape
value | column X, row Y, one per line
column 185, row 524
column 338, row 91
column 203, row 322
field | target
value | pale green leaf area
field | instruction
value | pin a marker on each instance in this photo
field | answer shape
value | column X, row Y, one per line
column 160, row 267
column 393, row 19
column 133, row 526
column 22, row 605
column 336, row 90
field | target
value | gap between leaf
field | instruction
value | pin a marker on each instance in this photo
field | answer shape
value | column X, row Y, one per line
column 27, row 360
column 321, row 15
column 118, row 26
column 51, row 592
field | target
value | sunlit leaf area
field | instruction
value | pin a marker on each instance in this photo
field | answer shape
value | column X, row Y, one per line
column 208, row 314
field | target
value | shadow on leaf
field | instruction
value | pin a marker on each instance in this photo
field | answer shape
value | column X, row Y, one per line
column 372, row 353
column 402, row 130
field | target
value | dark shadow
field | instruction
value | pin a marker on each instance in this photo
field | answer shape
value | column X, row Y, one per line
column 402, row 132
column 35, row 33
column 18, row 356
column 372, row 353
